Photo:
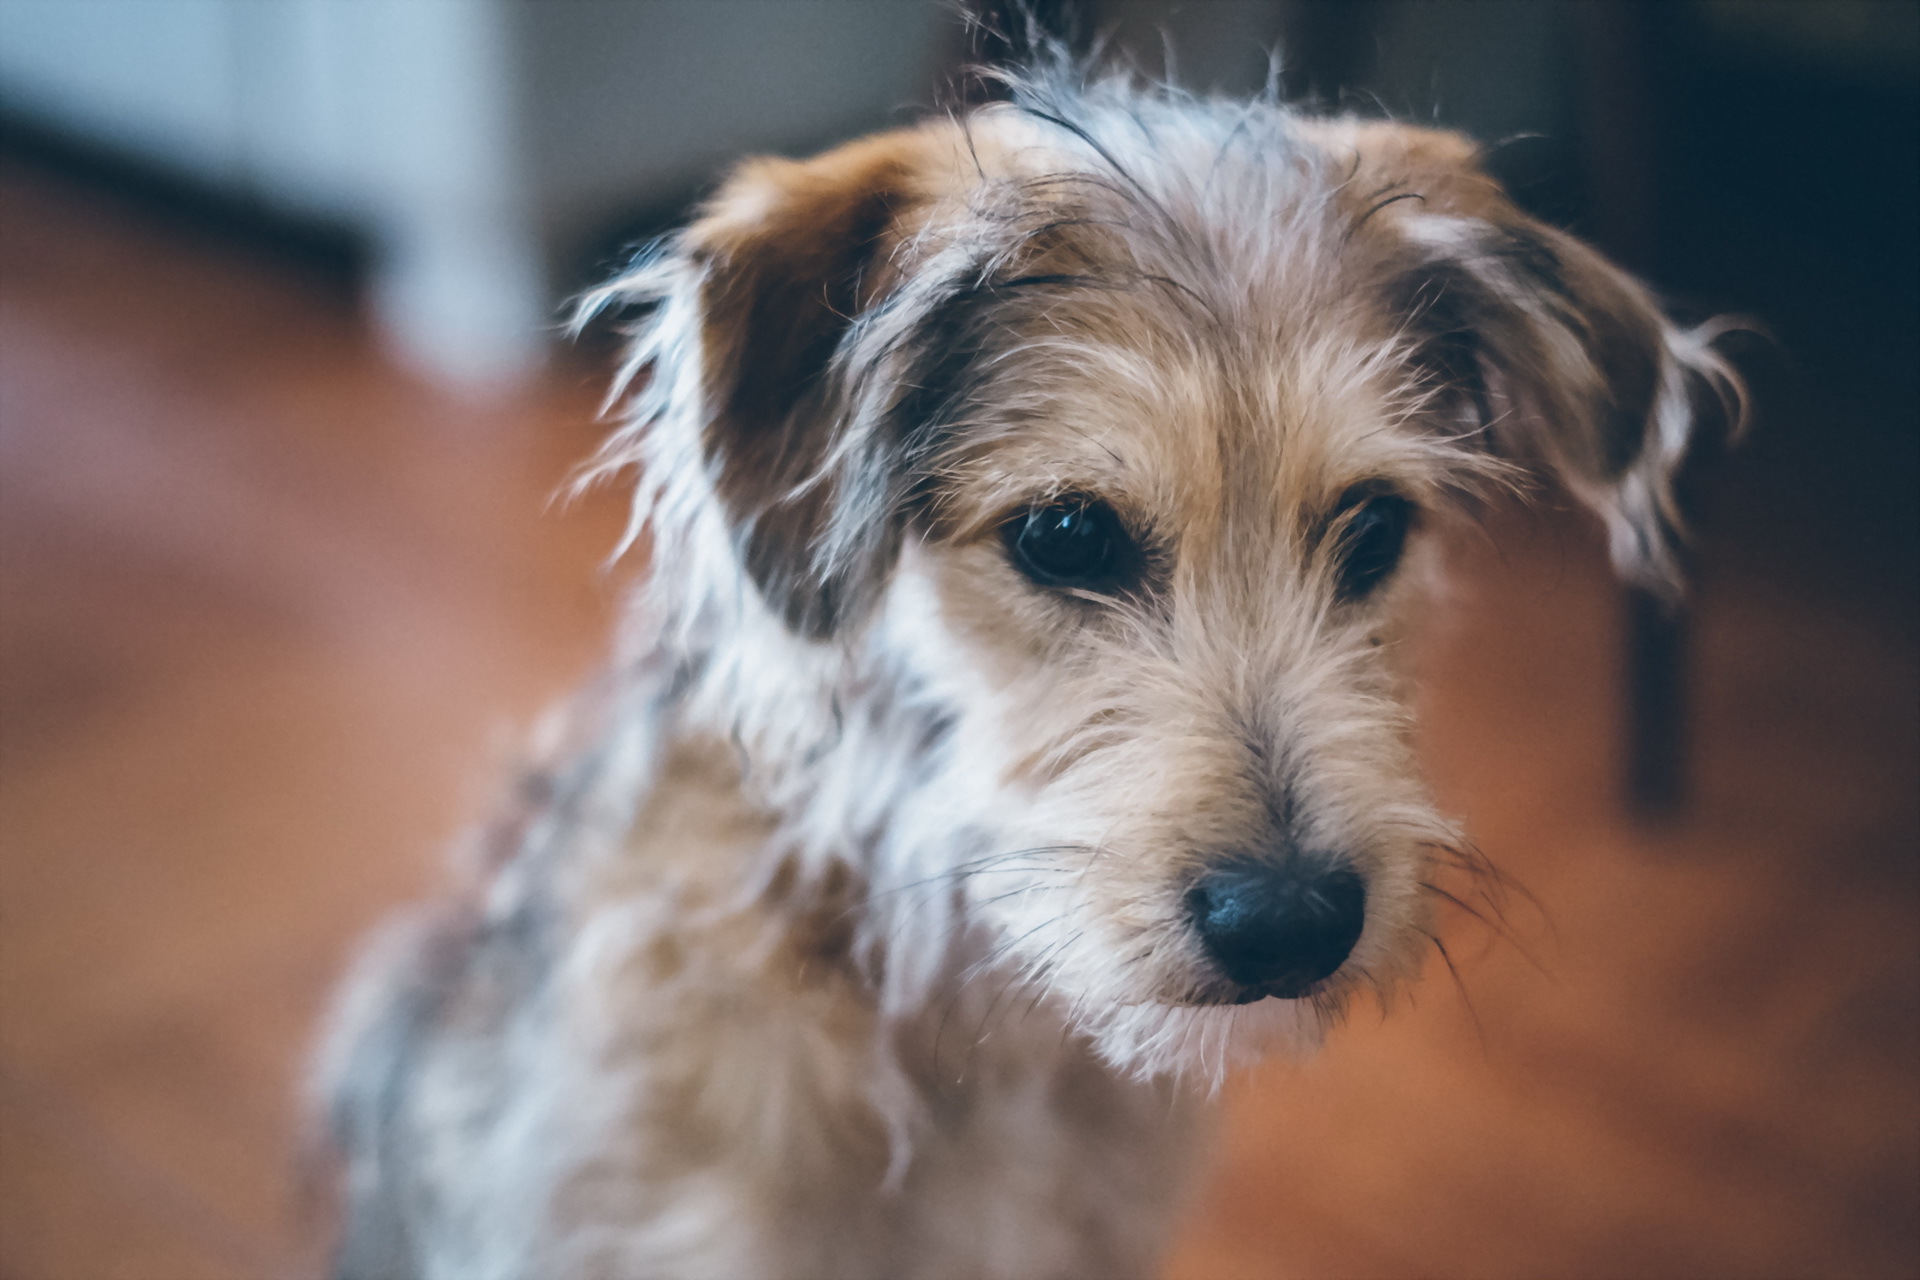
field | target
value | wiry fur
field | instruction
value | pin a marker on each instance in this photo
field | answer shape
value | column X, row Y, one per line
column 844, row 936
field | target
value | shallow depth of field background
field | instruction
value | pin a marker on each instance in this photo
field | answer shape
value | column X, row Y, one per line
column 282, row 413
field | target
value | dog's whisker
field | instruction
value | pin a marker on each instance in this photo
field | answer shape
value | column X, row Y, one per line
column 1037, row 976
column 1019, row 975
column 1460, row 985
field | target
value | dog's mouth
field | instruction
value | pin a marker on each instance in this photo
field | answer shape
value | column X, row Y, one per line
column 1223, row 991
column 1278, row 991
column 1235, row 993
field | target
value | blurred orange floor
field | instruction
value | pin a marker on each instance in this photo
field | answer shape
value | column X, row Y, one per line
column 270, row 613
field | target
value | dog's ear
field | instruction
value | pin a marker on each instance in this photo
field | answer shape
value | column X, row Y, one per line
column 1548, row 352
column 1561, row 359
column 791, row 258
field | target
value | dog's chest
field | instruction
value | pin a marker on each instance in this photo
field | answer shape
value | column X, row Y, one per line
column 741, row 1103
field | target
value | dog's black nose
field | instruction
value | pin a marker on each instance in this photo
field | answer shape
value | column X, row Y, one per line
column 1278, row 928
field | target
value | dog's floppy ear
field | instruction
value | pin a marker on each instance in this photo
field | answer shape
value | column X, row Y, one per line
column 1552, row 354
column 791, row 258
column 1564, row 360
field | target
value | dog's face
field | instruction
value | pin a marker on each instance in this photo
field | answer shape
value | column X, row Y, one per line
column 1121, row 430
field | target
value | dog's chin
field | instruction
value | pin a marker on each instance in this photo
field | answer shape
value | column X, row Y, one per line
column 1200, row 1040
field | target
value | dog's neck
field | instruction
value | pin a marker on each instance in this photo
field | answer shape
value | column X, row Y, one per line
column 861, row 761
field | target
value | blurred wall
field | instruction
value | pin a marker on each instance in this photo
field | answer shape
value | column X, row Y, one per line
column 489, row 149
column 478, row 143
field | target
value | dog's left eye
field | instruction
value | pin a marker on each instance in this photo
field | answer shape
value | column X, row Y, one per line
column 1370, row 542
column 1073, row 542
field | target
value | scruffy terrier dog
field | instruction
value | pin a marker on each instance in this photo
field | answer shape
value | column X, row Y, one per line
column 1008, row 738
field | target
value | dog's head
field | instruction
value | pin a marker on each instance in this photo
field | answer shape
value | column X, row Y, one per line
column 1117, row 423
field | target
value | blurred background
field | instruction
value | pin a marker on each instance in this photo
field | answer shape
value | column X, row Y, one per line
column 283, row 411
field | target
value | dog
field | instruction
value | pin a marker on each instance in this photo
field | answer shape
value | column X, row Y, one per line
column 1009, row 738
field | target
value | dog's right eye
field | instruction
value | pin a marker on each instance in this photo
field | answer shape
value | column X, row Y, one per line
column 1075, row 542
column 1374, row 535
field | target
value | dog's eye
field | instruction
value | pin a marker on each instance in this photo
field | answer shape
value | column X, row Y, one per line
column 1073, row 542
column 1371, row 538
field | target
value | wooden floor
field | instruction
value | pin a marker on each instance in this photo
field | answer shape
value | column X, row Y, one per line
column 270, row 613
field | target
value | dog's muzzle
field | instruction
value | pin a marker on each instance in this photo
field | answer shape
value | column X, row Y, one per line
column 1278, row 928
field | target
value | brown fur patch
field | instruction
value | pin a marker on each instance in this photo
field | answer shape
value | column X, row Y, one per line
column 793, row 251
